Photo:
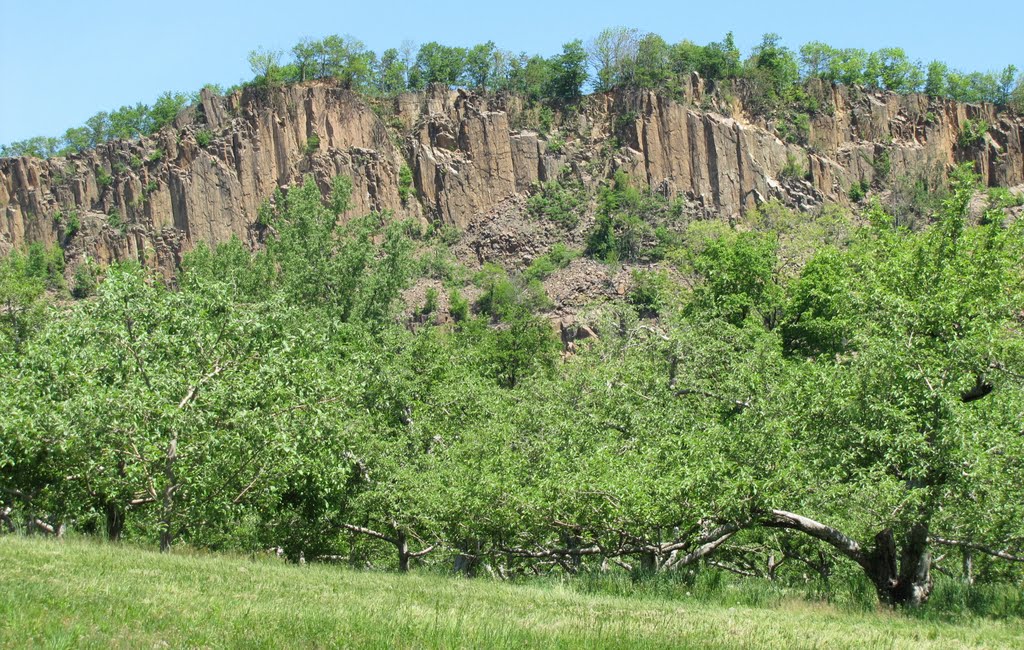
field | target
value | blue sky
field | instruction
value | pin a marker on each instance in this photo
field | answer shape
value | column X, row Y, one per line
column 62, row 61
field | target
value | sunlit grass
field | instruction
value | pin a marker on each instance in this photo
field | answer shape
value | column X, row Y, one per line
column 78, row 593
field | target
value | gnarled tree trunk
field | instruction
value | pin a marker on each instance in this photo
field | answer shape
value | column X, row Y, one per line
column 901, row 575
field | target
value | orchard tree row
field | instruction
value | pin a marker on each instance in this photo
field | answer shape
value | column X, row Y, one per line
column 857, row 412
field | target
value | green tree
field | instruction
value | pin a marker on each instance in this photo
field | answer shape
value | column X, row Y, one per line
column 21, row 291
column 266, row 66
column 891, row 69
column 1006, row 81
column 165, row 109
column 38, row 147
column 720, row 60
column 935, row 82
column 816, row 59
column 740, row 283
column 652, row 62
column 847, row 66
column 569, row 73
column 346, row 59
column 480, row 65
column 772, row 72
column 304, row 53
column 436, row 63
column 391, row 73
column 612, row 55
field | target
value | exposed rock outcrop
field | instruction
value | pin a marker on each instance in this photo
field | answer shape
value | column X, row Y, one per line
column 204, row 179
column 151, row 199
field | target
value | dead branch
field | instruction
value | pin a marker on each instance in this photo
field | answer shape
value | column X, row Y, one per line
column 1016, row 556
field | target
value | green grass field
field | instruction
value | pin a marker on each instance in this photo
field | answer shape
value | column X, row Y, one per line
column 79, row 593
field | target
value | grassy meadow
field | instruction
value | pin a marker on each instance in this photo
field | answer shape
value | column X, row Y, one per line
column 78, row 593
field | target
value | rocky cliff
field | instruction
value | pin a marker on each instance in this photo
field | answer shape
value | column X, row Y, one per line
column 204, row 179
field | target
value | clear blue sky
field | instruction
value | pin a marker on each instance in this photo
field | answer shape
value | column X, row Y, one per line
column 62, row 61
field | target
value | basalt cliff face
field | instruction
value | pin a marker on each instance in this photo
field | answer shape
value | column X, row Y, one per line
column 204, row 178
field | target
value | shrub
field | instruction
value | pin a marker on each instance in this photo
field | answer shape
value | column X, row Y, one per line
column 858, row 191
column 264, row 214
column 156, row 155
column 503, row 297
column 114, row 219
column 633, row 224
column 74, row 225
column 650, row 292
column 555, row 145
column 312, row 144
column 882, row 166
column 404, row 183
column 545, row 120
column 203, row 138
column 438, row 264
column 1000, row 198
column 796, row 128
column 449, row 235
column 458, row 306
column 430, row 302
column 85, row 280
column 972, row 132
column 135, row 162
column 557, row 203
column 625, row 120
column 559, row 257
column 151, row 187
column 792, row 169
column 103, row 177
column 341, row 194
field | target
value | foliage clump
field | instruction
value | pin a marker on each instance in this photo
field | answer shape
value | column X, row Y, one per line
column 632, row 224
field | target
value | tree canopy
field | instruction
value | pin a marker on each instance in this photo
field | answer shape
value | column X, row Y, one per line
column 856, row 412
column 772, row 76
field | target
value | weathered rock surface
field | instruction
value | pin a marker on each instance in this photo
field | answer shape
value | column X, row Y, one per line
column 729, row 165
column 168, row 193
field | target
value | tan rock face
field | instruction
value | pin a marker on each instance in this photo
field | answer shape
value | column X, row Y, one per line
column 729, row 165
column 168, row 193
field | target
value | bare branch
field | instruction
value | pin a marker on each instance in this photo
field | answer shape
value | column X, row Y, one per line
column 195, row 388
column 707, row 545
column 246, row 489
column 370, row 533
column 418, row 554
column 835, row 538
column 1001, row 554
column 736, row 570
column 553, row 552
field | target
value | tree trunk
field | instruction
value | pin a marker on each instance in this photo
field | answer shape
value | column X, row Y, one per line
column 115, row 521
column 968, row 566
column 166, row 516
column 402, row 543
column 901, row 578
column 649, row 562
column 468, row 559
